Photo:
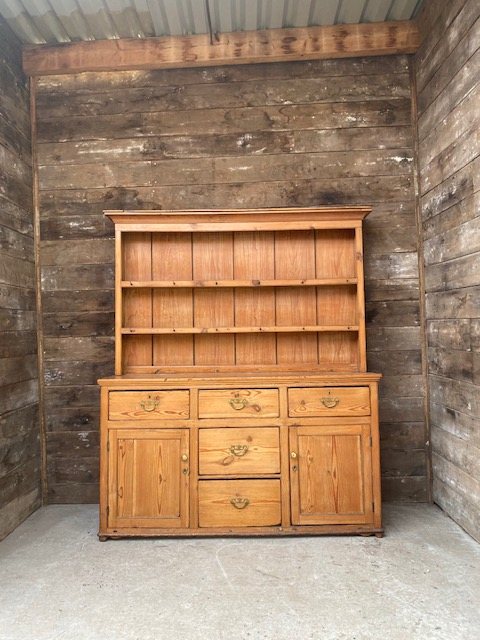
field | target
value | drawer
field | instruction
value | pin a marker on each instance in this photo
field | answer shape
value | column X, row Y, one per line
column 238, row 403
column 308, row 402
column 237, row 451
column 148, row 405
column 239, row 503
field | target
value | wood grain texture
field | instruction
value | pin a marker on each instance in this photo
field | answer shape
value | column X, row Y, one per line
column 449, row 154
column 289, row 134
column 273, row 45
column 20, row 486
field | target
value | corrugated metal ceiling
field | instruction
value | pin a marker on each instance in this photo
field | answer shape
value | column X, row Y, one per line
column 53, row 21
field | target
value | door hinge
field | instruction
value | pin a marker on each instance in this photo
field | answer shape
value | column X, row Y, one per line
column 108, row 510
column 373, row 507
column 108, row 445
column 370, row 441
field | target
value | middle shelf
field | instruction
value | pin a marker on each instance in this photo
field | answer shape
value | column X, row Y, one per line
column 193, row 284
column 273, row 329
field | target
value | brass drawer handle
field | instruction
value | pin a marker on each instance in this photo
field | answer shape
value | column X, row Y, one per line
column 239, row 450
column 238, row 403
column 240, row 503
column 150, row 404
column 330, row 402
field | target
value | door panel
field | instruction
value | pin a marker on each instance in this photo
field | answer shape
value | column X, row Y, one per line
column 331, row 480
column 148, row 480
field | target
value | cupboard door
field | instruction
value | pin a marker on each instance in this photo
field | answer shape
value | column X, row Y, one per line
column 331, row 474
column 148, row 478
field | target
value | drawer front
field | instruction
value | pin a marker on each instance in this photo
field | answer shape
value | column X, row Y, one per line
column 233, row 451
column 239, row 503
column 308, row 402
column 238, row 403
column 149, row 405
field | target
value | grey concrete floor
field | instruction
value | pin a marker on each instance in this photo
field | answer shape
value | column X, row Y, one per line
column 422, row 581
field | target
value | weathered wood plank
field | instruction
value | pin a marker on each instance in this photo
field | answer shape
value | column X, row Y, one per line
column 407, row 409
column 457, row 395
column 73, row 493
column 461, row 66
column 215, row 196
column 461, row 185
column 80, row 301
column 392, row 289
column 463, row 303
column 73, row 419
column 450, row 334
column 17, row 395
column 455, row 274
column 462, row 510
column 395, row 111
column 227, row 144
column 397, row 463
column 456, row 243
column 452, row 217
column 226, row 96
column 451, row 363
column 274, row 45
column 453, row 449
column 452, row 19
column 395, row 313
column 78, row 348
column 17, row 343
column 404, row 489
column 459, row 424
column 456, row 478
column 99, row 82
column 76, row 372
column 18, row 451
column 86, row 276
column 393, row 338
column 97, row 251
column 402, row 435
column 284, row 167
column 397, row 362
column 18, row 369
column 74, row 323
column 72, row 396
column 19, row 421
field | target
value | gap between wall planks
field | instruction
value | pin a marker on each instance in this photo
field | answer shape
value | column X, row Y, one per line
column 421, row 283
column 38, row 294
column 243, row 47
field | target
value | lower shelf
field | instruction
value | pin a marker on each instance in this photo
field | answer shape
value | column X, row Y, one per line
column 338, row 530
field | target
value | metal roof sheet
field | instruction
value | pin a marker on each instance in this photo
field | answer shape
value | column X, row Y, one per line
column 54, row 21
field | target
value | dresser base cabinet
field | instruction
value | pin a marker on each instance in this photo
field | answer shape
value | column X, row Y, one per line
column 217, row 454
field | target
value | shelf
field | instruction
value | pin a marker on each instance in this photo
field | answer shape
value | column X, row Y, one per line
column 206, row 330
column 193, row 284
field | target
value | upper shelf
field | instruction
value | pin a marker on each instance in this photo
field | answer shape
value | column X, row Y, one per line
column 190, row 284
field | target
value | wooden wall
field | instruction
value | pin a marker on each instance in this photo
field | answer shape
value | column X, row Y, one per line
column 19, row 432
column 447, row 76
column 306, row 133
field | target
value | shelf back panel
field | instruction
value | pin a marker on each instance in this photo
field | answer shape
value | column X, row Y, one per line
column 249, row 256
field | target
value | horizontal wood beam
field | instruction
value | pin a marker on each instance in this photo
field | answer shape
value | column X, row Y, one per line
column 242, row 47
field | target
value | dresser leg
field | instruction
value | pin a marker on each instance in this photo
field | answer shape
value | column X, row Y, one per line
column 102, row 538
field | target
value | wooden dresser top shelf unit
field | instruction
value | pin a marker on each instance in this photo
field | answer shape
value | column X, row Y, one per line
column 241, row 403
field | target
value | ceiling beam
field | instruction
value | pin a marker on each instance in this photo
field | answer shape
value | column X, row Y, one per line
column 242, row 47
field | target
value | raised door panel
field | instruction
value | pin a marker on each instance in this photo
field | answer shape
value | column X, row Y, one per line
column 331, row 475
column 148, row 480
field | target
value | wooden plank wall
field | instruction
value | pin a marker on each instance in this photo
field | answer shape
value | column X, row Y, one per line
column 304, row 133
column 19, row 432
column 447, row 77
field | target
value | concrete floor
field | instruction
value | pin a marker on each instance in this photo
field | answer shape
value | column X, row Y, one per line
column 422, row 581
